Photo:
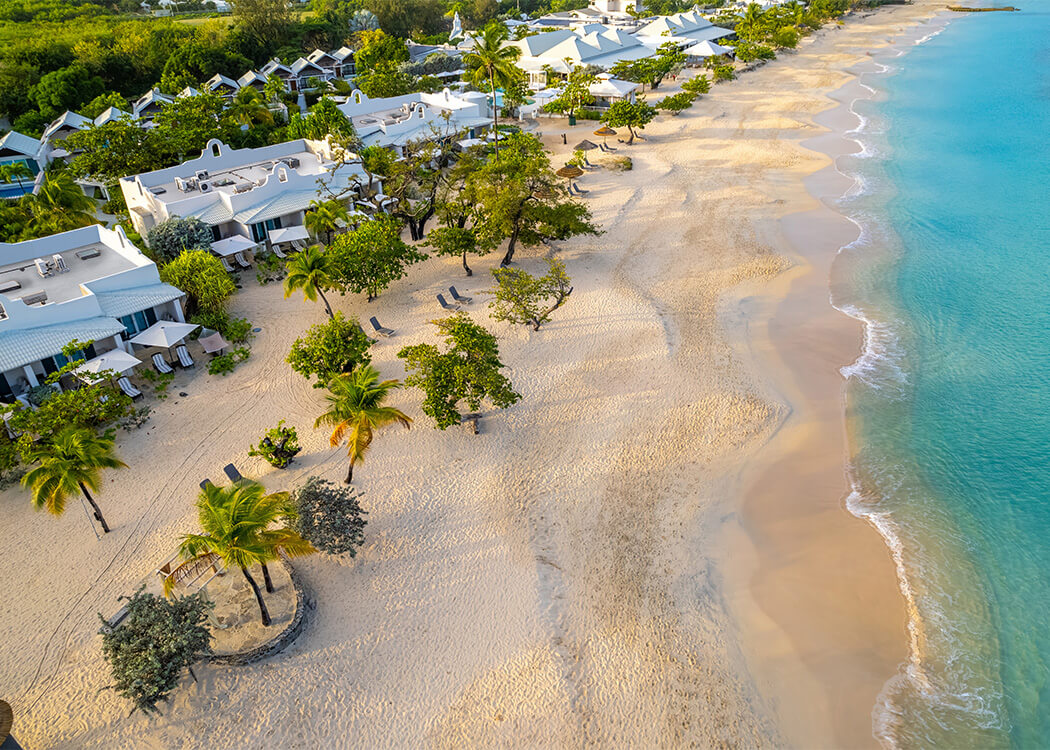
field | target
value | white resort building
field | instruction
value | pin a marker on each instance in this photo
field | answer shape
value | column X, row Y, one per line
column 89, row 284
column 245, row 192
column 396, row 121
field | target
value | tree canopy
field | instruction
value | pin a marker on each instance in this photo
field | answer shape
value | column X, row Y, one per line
column 369, row 258
column 201, row 275
column 170, row 238
column 334, row 347
column 519, row 297
column 329, row 516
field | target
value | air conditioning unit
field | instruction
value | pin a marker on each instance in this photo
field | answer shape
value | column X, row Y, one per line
column 292, row 162
column 204, row 186
column 202, row 174
column 185, row 184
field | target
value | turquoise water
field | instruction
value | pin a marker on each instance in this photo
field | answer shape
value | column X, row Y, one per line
column 950, row 406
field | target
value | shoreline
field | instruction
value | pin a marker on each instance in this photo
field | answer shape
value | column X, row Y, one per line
column 819, row 597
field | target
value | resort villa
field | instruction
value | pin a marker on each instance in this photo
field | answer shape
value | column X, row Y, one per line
column 395, row 121
column 243, row 193
column 90, row 284
column 16, row 148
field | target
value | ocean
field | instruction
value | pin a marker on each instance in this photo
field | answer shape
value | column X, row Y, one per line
column 949, row 407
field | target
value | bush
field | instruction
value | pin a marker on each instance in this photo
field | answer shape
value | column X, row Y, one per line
column 224, row 364
column 201, row 275
column 268, row 267
column 785, row 37
column 334, row 347
column 160, row 382
column 588, row 114
column 724, row 73
column 747, row 52
column 169, row 238
column 278, row 447
column 328, row 516
column 38, row 394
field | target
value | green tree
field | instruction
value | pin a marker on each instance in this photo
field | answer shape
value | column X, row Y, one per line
column 377, row 46
column 752, row 26
column 201, row 275
column 185, row 126
column 309, row 271
column 154, row 643
column 58, row 206
column 455, row 242
column 102, row 102
column 630, row 115
column 177, row 234
column 66, row 88
column 325, row 118
column 325, row 217
column 676, row 103
column 264, row 21
column 328, row 349
column 235, row 523
column 697, row 85
column 116, row 149
column 369, row 258
column 274, row 89
column 575, row 92
column 492, row 63
column 356, row 411
column 520, row 297
column 330, row 517
column 72, row 460
column 16, row 171
column 248, row 107
column 468, row 370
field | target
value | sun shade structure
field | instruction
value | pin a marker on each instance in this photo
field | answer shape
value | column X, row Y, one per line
column 164, row 333
column 707, row 49
column 605, row 131
column 288, row 234
column 213, row 343
column 585, row 145
column 117, row 360
column 237, row 243
column 569, row 171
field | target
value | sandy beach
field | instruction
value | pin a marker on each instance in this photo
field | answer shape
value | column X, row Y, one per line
column 583, row 572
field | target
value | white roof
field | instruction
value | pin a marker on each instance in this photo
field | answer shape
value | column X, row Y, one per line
column 68, row 120
column 707, row 49
column 219, row 80
column 19, row 143
column 111, row 114
column 611, row 87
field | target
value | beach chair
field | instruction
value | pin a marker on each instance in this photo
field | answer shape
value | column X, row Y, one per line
column 299, row 245
column 380, row 331
column 129, row 390
column 278, row 253
column 574, row 188
column 161, row 365
column 184, row 356
column 205, row 484
column 232, row 473
column 459, row 297
column 226, row 264
column 446, row 305
column 239, row 257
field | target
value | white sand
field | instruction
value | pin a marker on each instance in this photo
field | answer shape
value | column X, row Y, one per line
column 546, row 583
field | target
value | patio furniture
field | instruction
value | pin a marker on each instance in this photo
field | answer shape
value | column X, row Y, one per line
column 161, row 365
column 226, row 264
column 184, row 356
column 446, row 305
column 205, row 484
column 129, row 390
column 58, row 263
column 42, row 268
column 232, row 473
column 459, row 297
column 239, row 257
column 278, row 253
column 380, row 331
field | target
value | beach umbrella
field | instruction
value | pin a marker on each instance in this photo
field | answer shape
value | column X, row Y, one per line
column 605, row 131
column 213, row 343
column 165, row 333
column 118, row 361
column 569, row 172
column 585, row 145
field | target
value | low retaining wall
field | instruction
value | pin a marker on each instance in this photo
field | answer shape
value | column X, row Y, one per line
column 303, row 603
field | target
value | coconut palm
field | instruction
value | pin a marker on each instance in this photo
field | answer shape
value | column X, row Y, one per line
column 72, row 460
column 235, row 523
column 356, row 411
column 15, row 172
column 248, row 107
column 308, row 271
column 751, row 23
column 60, row 205
column 493, row 63
column 325, row 216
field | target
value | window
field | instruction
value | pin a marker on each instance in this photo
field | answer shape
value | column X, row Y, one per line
column 215, row 234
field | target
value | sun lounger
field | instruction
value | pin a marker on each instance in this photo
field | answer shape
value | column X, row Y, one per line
column 226, row 264
column 380, row 331
column 205, row 484
column 232, row 473
column 446, row 305
column 574, row 188
column 161, row 365
column 459, row 297
column 239, row 257
column 278, row 253
column 129, row 390
column 299, row 245
column 184, row 356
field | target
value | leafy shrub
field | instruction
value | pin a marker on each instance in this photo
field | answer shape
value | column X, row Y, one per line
column 724, row 73
column 785, row 37
column 278, row 446
column 588, row 114
column 201, row 275
column 676, row 102
column 234, row 330
column 748, row 52
column 38, row 394
column 224, row 364
column 328, row 516
column 135, row 418
column 334, row 347
column 268, row 267
column 169, row 238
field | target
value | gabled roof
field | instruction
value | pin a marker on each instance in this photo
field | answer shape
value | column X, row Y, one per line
column 302, row 65
column 128, row 301
column 252, row 76
column 18, row 143
column 320, row 57
column 284, row 203
column 111, row 114
column 605, row 85
column 574, row 48
column 276, row 67
column 342, row 53
column 151, row 98
column 70, row 120
column 188, row 91
column 219, row 81
column 537, row 44
column 25, row 345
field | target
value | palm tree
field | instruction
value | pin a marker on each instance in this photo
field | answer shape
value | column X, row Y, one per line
column 324, row 216
column 73, row 459
column 15, row 172
column 356, row 411
column 60, row 205
column 235, row 523
column 248, row 107
column 493, row 64
column 273, row 89
column 308, row 271
column 750, row 23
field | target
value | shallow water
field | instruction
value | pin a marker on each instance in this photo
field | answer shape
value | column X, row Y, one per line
column 950, row 405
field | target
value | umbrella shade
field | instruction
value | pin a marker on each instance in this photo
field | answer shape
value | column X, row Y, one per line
column 213, row 343
column 164, row 333
column 232, row 245
column 569, row 171
column 584, row 145
column 288, row 234
column 117, row 360
column 605, row 131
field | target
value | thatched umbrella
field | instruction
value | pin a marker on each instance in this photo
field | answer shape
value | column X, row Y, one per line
column 605, row 131
column 7, row 718
column 569, row 172
column 585, row 145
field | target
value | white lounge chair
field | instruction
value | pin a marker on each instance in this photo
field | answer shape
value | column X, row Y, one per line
column 226, row 264
column 278, row 253
column 161, row 364
column 299, row 245
column 129, row 390
column 184, row 356
column 239, row 257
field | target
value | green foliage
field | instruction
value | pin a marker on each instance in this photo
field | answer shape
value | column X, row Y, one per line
column 324, row 118
column 630, row 115
column 334, row 347
column 170, row 238
column 378, row 46
column 575, row 92
column 328, row 516
column 265, row 22
column 201, row 275
column 520, row 297
column 748, row 52
column 186, row 125
column 234, row 330
column 369, row 258
column 453, row 241
column 676, row 102
column 102, row 102
column 785, row 38
column 723, row 73
column 468, row 370
column 156, row 641
column 160, row 382
column 268, row 267
column 224, row 364
column 278, row 446
column 116, row 149
column 67, row 88
column 650, row 70
column 697, row 85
